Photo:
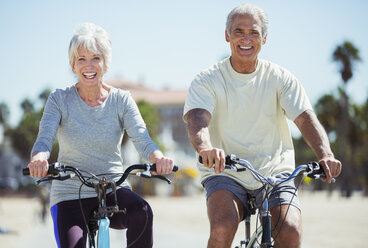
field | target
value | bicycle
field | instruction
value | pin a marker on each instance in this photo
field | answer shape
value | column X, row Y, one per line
column 261, row 237
column 99, row 223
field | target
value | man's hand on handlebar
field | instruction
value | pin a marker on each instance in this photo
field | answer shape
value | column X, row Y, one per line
column 213, row 157
column 331, row 167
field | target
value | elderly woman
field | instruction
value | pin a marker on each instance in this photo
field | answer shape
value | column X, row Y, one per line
column 89, row 119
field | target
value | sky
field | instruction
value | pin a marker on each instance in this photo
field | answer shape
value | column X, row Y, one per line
column 165, row 43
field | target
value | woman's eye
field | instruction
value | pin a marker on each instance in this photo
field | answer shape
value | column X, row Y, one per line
column 81, row 59
column 255, row 33
column 96, row 58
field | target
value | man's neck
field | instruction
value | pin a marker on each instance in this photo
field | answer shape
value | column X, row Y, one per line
column 245, row 67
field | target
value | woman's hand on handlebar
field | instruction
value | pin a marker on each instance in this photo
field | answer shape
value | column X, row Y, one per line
column 164, row 165
column 39, row 165
column 213, row 157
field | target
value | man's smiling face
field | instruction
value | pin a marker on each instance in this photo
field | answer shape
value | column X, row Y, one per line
column 245, row 40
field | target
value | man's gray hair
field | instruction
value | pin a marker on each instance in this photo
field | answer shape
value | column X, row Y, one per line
column 92, row 37
column 248, row 9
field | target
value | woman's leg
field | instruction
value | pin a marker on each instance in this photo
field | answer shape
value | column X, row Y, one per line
column 138, row 218
column 69, row 227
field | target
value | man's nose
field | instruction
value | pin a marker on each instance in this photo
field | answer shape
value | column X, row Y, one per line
column 246, row 38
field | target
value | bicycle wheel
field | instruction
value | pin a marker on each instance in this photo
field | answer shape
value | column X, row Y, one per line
column 256, row 239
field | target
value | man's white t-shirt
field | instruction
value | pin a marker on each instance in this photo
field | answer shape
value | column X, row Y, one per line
column 249, row 115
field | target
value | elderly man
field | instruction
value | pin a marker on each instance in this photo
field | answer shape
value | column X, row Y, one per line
column 240, row 105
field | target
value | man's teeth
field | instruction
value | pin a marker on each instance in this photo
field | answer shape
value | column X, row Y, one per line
column 89, row 75
column 245, row 48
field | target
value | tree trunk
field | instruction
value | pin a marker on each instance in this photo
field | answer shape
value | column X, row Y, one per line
column 344, row 147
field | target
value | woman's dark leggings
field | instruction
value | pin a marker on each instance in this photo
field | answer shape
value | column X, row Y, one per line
column 71, row 232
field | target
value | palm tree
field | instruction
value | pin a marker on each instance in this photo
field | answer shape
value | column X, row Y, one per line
column 4, row 113
column 4, row 116
column 346, row 55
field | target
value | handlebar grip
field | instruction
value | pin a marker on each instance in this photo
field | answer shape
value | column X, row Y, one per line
column 200, row 159
column 153, row 168
column 229, row 159
column 25, row 172
column 51, row 171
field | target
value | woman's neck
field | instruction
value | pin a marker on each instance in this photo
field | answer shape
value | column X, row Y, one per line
column 94, row 95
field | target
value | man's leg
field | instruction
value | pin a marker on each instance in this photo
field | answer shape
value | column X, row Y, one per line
column 286, row 226
column 225, row 211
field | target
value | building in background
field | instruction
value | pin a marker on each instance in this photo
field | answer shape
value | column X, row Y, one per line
column 170, row 104
column 172, row 134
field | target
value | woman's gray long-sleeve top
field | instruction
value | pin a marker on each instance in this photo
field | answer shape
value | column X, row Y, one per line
column 90, row 137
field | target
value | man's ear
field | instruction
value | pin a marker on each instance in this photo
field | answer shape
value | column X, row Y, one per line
column 227, row 36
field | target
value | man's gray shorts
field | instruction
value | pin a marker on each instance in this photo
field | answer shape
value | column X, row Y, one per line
column 286, row 193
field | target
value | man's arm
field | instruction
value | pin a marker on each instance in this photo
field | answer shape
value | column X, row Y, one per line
column 316, row 137
column 198, row 133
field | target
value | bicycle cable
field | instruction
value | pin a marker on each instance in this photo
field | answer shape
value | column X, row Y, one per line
column 268, row 195
column 287, row 210
column 90, row 238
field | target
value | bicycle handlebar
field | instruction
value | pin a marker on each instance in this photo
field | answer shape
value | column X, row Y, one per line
column 312, row 170
column 55, row 170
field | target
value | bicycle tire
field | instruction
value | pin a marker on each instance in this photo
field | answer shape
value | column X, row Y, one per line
column 255, row 239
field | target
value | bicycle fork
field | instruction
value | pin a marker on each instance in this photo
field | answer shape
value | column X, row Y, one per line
column 266, row 223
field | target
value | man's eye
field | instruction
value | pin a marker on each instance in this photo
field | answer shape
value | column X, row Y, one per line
column 254, row 33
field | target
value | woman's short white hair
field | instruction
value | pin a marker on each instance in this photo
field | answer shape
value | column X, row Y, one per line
column 92, row 37
column 248, row 9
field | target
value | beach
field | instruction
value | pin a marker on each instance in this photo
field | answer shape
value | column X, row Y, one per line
column 329, row 220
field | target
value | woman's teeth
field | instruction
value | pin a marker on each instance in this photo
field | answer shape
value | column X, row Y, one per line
column 89, row 75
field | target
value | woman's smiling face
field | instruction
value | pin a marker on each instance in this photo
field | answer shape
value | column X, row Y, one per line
column 89, row 67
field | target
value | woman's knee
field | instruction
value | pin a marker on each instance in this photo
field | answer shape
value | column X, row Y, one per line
column 140, row 212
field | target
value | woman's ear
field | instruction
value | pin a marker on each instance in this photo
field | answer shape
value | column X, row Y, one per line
column 264, row 39
column 106, row 68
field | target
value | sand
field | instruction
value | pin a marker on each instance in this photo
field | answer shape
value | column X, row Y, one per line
column 328, row 221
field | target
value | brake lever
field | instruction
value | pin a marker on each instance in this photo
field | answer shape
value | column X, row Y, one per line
column 322, row 177
column 315, row 171
column 59, row 177
column 148, row 174
column 234, row 168
column 162, row 178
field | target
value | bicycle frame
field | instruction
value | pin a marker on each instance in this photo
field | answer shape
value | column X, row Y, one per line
column 103, row 239
column 265, row 214
column 102, row 214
